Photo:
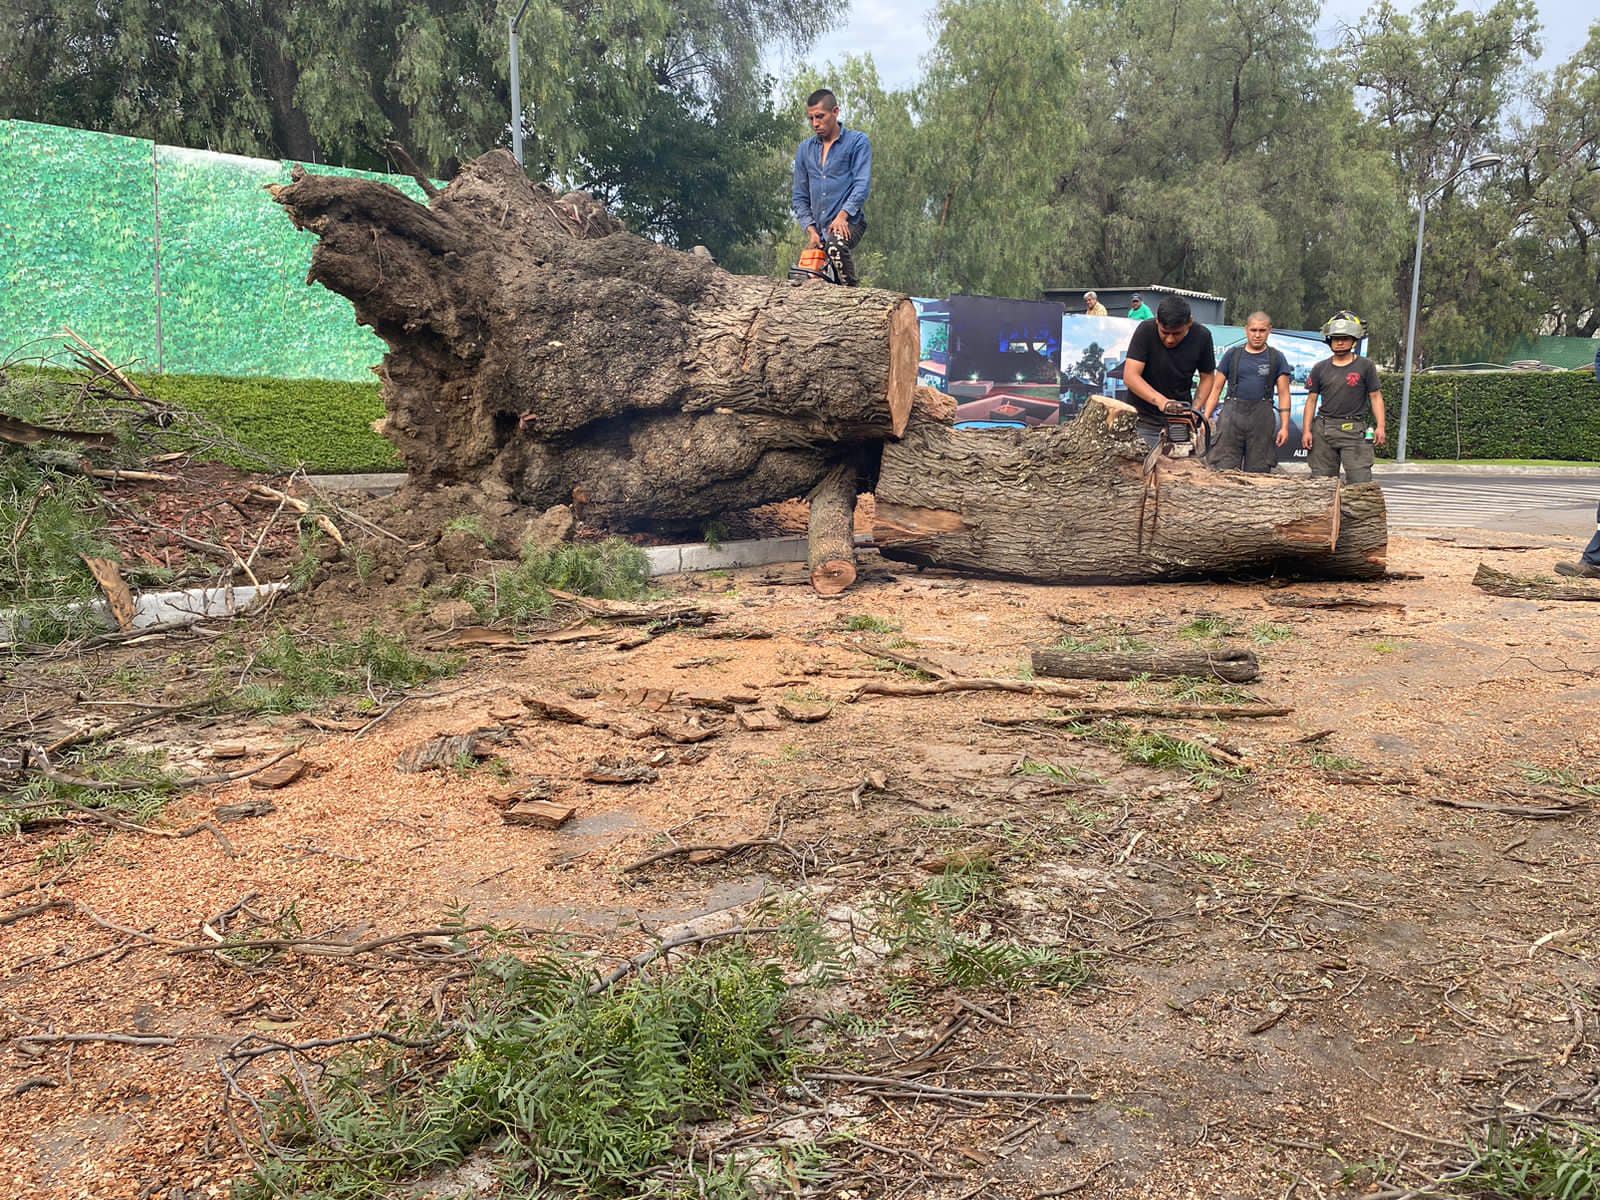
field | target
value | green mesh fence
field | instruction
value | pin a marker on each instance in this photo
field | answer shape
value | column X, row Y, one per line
column 78, row 245
column 77, row 241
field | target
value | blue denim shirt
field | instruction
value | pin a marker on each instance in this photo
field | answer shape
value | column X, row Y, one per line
column 821, row 190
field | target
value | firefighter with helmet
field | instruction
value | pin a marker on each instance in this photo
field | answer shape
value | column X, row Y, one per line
column 1337, row 430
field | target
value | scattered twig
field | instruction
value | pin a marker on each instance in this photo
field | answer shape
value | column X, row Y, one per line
column 927, row 1089
column 18, row 914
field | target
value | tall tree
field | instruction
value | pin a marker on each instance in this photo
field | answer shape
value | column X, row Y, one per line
column 1435, row 82
column 1554, row 189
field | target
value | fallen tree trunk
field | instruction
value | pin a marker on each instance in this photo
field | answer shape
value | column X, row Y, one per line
column 1499, row 583
column 532, row 340
column 831, row 553
column 1231, row 665
column 1084, row 503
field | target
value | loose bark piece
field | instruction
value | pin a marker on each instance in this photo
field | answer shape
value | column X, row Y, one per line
column 121, row 474
column 532, row 339
column 717, row 701
column 226, row 750
column 244, row 809
column 1499, row 583
column 1232, row 664
column 1296, row 600
column 831, row 533
column 543, row 814
column 686, row 733
column 553, row 708
column 1085, row 502
column 280, row 774
column 619, row 770
column 118, row 597
column 759, row 720
column 803, row 712
column 448, row 750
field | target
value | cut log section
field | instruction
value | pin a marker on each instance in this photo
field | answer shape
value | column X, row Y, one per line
column 531, row 339
column 1085, row 502
column 832, row 531
column 1231, row 664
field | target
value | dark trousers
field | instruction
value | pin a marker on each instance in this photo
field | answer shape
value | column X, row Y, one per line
column 1591, row 552
column 1245, row 437
column 839, row 248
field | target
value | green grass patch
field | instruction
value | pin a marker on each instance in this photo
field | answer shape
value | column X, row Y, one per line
column 1560, row 1162
column 866, row 623
column 1207, row 629
column 610, row 570
column 572, row 1093
column 322, row 425
column 1565, row 780
column 1153, row 748
column 1104, row 643
column 288, row 672
column 1193, row 690
column 1266, row 633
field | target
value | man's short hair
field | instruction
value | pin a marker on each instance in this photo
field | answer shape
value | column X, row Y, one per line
column 1173, row 312
column 1258, row 315
column 1090, row 296
column 824, row 97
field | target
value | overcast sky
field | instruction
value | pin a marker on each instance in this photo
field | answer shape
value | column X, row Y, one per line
column 895, row 33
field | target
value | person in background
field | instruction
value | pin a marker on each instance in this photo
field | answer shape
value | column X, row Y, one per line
column 832, row 179
column 1092, row 306
column 1347, row 384
column 1258, row 383
column 1140, row 310
column 1164, row 356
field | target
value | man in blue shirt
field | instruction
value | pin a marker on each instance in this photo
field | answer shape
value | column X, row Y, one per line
column 832, row 176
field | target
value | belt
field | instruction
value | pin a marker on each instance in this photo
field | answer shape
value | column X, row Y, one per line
column 1345, row 425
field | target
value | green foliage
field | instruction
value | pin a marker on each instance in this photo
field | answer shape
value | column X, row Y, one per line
column 1205, row 629
column 570, row 1090
column 1153, row 748
column 1118, row 643
column 144, row 785
column 323, row 425
column 1500, row 414
column 1209, row 691
column 1266, row 633
column 51, row 518
column 610, row 570
column 1560, row 1162
column 1561, row 777
column 286, row 673
column 867, row 623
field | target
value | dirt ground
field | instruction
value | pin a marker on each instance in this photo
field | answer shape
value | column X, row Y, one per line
column 1313, row 976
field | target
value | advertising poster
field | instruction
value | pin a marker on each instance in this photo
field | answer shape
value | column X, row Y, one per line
column 1093, row 350
column 933, row 317
column 1004, row 362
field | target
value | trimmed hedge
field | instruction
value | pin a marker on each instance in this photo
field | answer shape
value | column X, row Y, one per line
column 1498, row 414
column 324, row 424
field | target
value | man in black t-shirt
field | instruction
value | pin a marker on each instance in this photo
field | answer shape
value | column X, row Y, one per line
column 1164, row 356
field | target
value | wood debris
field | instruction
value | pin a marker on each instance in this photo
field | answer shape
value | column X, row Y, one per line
column 758, row 720
column 450, row 750
column 1531, row 587
column 803, row 712
column 280, row 774
column 542, row 814
column 619, row 770
column 244, row 809
column 1231, row 664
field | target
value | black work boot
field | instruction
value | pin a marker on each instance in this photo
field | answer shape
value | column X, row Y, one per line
column 1580, row 569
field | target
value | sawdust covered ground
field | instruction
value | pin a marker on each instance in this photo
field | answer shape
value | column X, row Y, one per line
column 1316, row 966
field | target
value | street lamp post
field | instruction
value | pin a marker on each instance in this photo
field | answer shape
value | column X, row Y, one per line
column 516, row 84
column 1482, row 160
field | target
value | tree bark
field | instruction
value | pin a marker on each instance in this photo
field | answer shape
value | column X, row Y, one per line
column 1499, row 583
column 1232, row 665
column 832, row 531
column 1085, row 503
column 531, row 339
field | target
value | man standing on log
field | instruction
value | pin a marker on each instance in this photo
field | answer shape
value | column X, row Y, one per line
column 1164, row 356
column 1258, row 383
column 1338, row 432
column 832, row 176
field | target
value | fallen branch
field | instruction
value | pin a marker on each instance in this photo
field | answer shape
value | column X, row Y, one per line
column 18, row 914
column 261, row 491
column 661, row 950
column 720, row 852
column 318, row 948
column 928, row 1089
column 1296, row 600
column 1232, row 665
column 1534, row 587
column 1070, row 713
column 1534, row 812
column 938, row 687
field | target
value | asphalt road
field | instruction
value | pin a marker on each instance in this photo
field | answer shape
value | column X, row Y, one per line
column 1557, row 505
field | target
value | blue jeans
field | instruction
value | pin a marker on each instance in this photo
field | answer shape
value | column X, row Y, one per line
column 1591, row 553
